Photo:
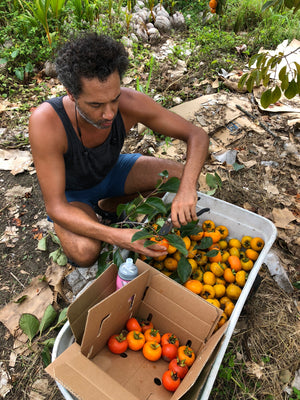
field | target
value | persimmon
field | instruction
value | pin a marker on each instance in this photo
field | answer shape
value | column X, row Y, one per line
column 223, row 231
column 214, row 302
column 213, row 4
column 252, row 254
column 217, row 269
column 240, row 278
column 214, row 235
column 247, row 264
column 228, row 275
column 257, row 243
column 235, row 263
column 229, row 306
column 235, row 243
column 246, row 241
column 187, row 354
column 193, row 285
column 152, row 335
column 208, row 225
column 220, row 290
column 152, row 351
column 209, row 278
column 170, row 263
column 208, row 292
column 136, row 340
column 233, row 291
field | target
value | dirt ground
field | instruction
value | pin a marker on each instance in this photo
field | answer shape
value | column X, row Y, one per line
column 268, row 184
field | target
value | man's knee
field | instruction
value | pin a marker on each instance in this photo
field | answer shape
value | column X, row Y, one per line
column 85, row 253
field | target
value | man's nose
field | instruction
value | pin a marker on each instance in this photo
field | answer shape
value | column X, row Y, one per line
column 108, row 112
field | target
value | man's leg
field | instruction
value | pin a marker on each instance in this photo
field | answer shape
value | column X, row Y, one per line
column 143, row 178
column 81, row 250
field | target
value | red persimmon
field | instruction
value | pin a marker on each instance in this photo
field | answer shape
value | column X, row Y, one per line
column 146, row 325
column 117, row 343
column 170, row 380
column 179, row 367
column 132, row 324
column 169, row 338
column 169, row 351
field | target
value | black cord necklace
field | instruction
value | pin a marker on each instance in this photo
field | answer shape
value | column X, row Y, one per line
column 85, row 150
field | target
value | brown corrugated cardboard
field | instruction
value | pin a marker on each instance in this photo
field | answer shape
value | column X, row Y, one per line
column 90, row 371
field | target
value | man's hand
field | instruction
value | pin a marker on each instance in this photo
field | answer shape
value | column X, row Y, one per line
column 125, row 242
column 183, row 208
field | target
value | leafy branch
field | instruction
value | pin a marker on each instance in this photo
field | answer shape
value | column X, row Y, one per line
column 32, row 327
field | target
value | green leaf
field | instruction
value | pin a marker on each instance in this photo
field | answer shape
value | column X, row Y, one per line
column 172, row 186
column 21, row 299
column 49, row 343
column 62, row 316
column 266, row 98
column 213, row 181
column 164, row 174
column 142, row 234
column 42, row 244
column 54, row 238
column 253, row 59
column 292, row 90
column 177, row 242
column 29, row 325
column 55, row 254
column 250, row 83
column 3, row 60
column 184, row 269
column 102, row 264
column 242, row 80
column 276, row 94
column 212, row 253
column 62, row 259
column 282, row 73
column 29, row 67
column 117, row 258
column 48, row 318
column 237, row 166
column 191, row 228
column 19, row 72
column 205, row 243
column 157, row 203
column 46, row 356
column 211, row 192
column 15, row 54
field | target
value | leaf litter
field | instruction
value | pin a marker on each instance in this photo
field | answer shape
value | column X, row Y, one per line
column 266, row 338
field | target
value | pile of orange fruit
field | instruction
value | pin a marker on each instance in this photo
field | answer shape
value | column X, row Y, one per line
column 213, row 6
column 218, row 273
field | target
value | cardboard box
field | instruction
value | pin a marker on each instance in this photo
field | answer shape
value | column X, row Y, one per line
column 90, row 371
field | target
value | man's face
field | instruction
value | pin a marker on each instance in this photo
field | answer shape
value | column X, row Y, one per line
column 98, row 101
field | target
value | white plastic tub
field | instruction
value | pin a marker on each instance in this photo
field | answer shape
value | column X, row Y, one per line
column 240, row 222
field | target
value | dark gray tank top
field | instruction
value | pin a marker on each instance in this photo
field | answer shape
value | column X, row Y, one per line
column 86, row 167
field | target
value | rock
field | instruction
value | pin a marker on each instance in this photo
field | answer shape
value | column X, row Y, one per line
column 177, row 21
column 50, row 69
column 154, row 35
column 163, row 24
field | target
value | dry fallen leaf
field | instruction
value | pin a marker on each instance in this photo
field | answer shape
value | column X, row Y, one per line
column 39, row 296
column 282, row 217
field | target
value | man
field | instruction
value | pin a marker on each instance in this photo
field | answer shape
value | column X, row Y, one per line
column 76, row 142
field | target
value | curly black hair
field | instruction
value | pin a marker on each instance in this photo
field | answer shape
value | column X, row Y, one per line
column 90, row 55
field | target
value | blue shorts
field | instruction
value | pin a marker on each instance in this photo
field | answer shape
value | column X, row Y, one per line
column 111, row 186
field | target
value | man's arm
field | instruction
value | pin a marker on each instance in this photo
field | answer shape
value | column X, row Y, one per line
column 141, row 108
column 48, row 144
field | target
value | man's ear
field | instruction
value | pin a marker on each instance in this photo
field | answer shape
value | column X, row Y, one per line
column 71, row 97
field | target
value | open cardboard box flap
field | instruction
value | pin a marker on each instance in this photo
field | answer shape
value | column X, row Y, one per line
column 91, row 371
